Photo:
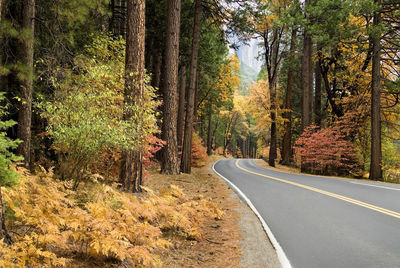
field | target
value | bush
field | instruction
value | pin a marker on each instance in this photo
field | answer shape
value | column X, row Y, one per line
column 85, row 118
column 51, row 225
column 199, row 151
column 325, row 151
column 7, row 176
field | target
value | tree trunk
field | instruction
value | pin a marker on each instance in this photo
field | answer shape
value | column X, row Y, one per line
column 3, row 232
column 157, row 62
column 307, row 77
column 186, row 164
column 25, row 53
column 272, row 90
column 131, row 169
column 226, row 134
column 118, row 17
column 209, row 132
column 170, row 162
column 181, row 108
column 376, row 147
column 318, row 84
column 287, row 136
column 337, row 110
column 3, row 229
column 214, row 135
column 196, row 104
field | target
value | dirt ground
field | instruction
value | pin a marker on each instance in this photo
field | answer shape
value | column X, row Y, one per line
column 237, row 240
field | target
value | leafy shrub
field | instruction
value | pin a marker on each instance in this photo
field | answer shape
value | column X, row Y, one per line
column 199, row 151
column 325, row 151
column 7, row 176
column 85, row 119
column 52, row 224
column 392, row 175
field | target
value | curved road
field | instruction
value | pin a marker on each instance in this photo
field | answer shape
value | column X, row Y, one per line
column 323, row 222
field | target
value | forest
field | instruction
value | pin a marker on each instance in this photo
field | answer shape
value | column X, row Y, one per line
column 97, row 94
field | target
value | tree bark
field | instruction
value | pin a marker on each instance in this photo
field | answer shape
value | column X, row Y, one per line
column 287, row 136
column 318, row 84
column 272, row 90
column 337, row 110
column 181, row 108
column 118, row 17
column 131, row 169
column 25, row 52
column 376, row 147
column 196, row 103
column 307, row 77
column 170, row 162
column 156, row 65
column 209, row 132
column 214, row 135
column 186, row 164
column 3, row 231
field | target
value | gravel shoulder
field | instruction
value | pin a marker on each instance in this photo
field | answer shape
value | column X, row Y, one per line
column 237, row 240
column 257, row 250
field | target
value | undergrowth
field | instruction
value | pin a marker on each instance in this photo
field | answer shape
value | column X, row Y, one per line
column 51, row 224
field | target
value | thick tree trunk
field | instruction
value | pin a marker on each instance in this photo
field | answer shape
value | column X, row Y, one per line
column 307, row 75
column 318, row 84
column 272, row 90
column 209, row 132
column 186, row 164
column 131, row 169
column 376, row 147
column 181, row 108
column 170, row 162
column 25, row 52
column 287, row 136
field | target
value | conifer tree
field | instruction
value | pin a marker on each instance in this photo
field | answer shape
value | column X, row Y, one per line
column 131, row 168
column 170, row 162
column 190, row 111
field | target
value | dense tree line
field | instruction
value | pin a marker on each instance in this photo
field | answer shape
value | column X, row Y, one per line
column 335, row 65
column 179, row 50
column 138, row 77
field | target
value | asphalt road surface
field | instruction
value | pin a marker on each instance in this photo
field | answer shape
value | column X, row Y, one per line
column 323, row 222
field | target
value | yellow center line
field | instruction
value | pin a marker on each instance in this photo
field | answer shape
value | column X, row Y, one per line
column 341, row 197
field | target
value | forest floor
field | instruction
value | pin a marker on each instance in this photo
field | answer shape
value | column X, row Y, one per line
column 236, row 240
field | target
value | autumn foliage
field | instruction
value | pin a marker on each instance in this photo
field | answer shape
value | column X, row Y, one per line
column 53, row 226
column 199, row 151
column 326, row 151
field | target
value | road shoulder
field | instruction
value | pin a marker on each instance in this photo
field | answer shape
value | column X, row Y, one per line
column 237, row 240
column 257, row 250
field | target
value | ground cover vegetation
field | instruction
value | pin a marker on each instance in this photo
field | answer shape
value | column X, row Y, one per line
column 94, row 93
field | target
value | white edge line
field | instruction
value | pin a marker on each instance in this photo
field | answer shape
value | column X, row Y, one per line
column 279, row 251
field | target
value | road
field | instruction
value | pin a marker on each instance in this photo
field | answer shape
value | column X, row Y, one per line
column 323, row 222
